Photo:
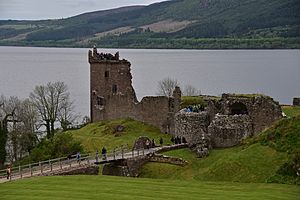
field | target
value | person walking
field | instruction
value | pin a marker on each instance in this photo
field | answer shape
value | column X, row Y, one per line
column 97, row 156
column 8, row 171
column 161, row 141
column 78, row 157
column 104, row 151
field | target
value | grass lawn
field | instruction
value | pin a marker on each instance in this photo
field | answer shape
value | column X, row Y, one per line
column 105, row 187
column 95, row 136
column 291, row 111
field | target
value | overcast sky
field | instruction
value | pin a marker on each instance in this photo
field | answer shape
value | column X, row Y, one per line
column 54, row 9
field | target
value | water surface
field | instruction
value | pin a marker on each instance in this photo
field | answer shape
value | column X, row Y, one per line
column 272, row 72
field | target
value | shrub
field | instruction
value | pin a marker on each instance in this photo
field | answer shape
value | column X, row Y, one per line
column 62, row 144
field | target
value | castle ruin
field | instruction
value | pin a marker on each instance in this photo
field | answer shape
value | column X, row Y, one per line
column 112, row 95
column 226, row 121
column 223, row 123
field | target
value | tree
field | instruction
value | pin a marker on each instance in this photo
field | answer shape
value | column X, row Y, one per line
column 18, row 126
column 190, row 90
column 48, row 100
column 7, row 111
column 167, row 86
column 66, row 114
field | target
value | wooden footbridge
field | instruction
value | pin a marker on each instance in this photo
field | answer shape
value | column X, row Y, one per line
column 65, row 164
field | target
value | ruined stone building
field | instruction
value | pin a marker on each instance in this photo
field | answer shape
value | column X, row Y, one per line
column 112, row 95
column 223, row 123
column 226, row 121
column 296, row 101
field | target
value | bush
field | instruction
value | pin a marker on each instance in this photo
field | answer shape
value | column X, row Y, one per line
column 62, row 144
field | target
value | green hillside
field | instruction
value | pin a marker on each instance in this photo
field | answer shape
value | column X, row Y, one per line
column 272, row 156
column 169, row 24
column 97, row 135
column 255, row 163
column 105, row 187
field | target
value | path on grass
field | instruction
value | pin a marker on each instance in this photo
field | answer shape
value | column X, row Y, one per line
column 64, row 164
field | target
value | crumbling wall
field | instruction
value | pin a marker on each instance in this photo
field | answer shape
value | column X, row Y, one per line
column 262, row 110
column 155, row 111
column 225, row 122
column 296, row 101
column 265, row 111
column 229, row 130
column 191, row 125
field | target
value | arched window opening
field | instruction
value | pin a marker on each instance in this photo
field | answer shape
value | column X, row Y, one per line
column 238, row 109
column 100, row 101
column 114, row 89
column 106, row 74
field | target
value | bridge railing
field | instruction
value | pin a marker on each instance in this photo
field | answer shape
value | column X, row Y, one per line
column 46, row 166
column 61, row 163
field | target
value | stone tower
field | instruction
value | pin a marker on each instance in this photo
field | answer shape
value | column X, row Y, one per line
column 110, row 86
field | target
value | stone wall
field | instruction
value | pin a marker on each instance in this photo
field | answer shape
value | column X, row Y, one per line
column 263, row 110
column 191, row 125
column 131, row 167
column 167, row 159
column 112, row 95
column 229, row 130
column 78, row 170
column 296, row 101
column 127, row 167
column 226, row 121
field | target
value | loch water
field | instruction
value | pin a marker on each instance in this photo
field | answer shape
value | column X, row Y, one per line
column 272, row 72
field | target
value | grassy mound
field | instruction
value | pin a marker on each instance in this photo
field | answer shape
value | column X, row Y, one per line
column 255, row 163
column 105, row 187
column 97, row 135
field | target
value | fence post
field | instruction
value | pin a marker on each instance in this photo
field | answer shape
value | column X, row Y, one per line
column 30, row 169
column 60, row 164
column 50, row 166
column 88, row 160
column 20, row 171
column 132, row 152
column 69, row 161
column 114, row 154
column 122, row 153
column 41, row 167
column 143, row 151
column 138, row 153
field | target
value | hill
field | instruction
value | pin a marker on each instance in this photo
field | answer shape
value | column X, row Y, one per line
column 102, row 134
column 169, row 24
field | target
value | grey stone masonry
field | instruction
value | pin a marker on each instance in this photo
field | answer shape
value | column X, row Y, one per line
column 296, row 101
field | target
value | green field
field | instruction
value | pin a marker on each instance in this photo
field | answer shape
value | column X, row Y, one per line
column 291, row 111
column 104, row 187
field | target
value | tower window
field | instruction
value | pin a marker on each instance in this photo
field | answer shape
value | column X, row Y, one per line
column 114, row 89
column 100, row 101
column 106, row 74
